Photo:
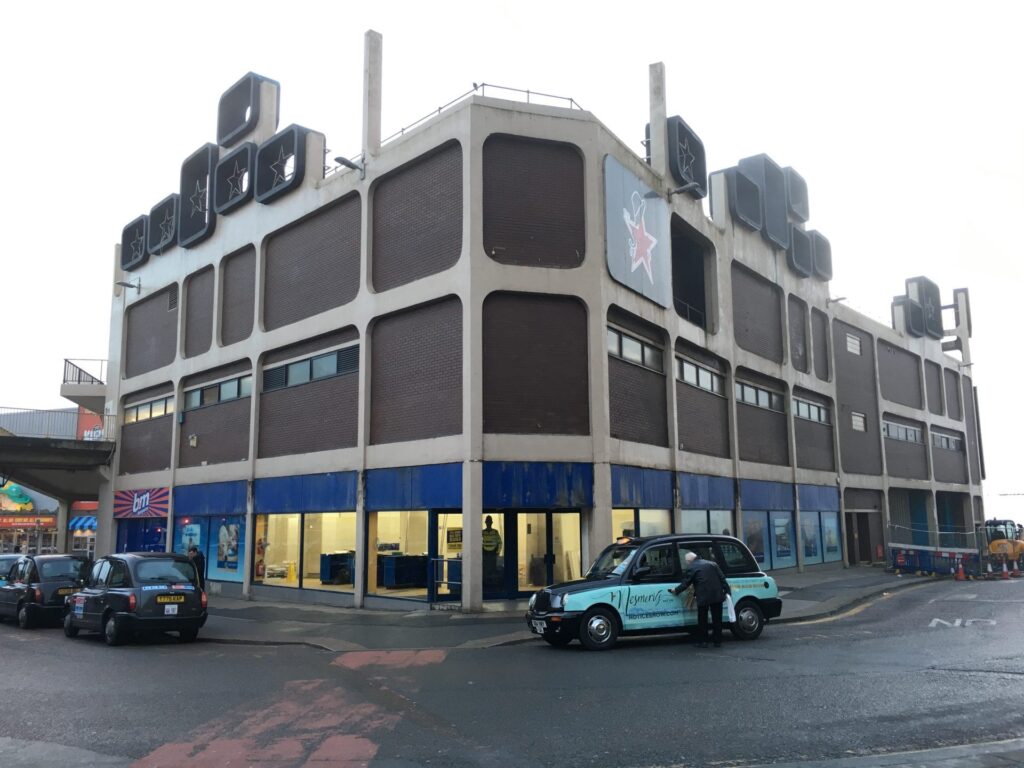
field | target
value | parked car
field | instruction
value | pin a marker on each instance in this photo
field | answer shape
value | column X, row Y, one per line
column 138, row 592
column 625, row 592
column 36, row 585
column 6, row 561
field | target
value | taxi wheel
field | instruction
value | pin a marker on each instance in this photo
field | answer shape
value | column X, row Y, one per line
column 749, row 621
column 111, row 633
column 557, row 640
column 599, row 629
column 24, row 618
column 188, row 635
column 70, row 630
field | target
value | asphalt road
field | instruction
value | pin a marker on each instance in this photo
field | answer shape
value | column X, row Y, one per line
column 927, row 667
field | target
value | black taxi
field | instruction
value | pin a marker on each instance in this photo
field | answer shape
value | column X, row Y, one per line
column 35, row 586
column 138, row 592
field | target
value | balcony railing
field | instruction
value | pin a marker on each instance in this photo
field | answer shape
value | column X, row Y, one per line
column 85, row 371
column 64, row 424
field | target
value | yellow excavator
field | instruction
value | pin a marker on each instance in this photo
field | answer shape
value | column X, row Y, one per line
column 1004, row 543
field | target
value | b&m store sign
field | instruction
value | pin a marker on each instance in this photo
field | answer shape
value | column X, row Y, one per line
column 142, row 502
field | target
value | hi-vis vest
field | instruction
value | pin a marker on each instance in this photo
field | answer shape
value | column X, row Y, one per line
column 492, row 540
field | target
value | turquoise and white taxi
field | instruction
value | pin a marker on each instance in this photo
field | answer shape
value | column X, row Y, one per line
column 625, row 592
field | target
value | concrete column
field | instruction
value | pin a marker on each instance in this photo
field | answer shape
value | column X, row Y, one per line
column 363, row 542
column 62, row 525
column 599, row 531
column 373, row 44
column 659, row 117
column 248, row 542
column 472, row 535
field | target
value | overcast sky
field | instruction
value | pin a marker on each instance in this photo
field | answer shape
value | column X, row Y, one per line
column 904, row 119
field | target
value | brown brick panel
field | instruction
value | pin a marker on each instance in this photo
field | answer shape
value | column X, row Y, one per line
column 417, row 219
column 862, row 498
column 860, row 452
column 903, row 459
column 318, row 416
column 756, row 314
column 899, row 375
column 819, row 337
column 222, row 433
column 933, row 386
column 798, row 333
column 238, row 295
column 535, row 378
column 703, row 421
column 213, row 374
column 636, row 402
column 416, row 374
column 953, row 409
column 198, row 312
column 313, row 265
column 310, row 347
column 762, row 435
column 949, row 466
column 814, row 449
column 151, row 333
column 533, row 202
column 146, row 446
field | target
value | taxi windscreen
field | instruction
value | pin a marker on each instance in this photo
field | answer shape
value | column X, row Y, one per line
column 612, row 561
column 61, row 569
column 164, row 570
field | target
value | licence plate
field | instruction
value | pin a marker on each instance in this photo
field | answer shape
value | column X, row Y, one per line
column 170, row 610
column 65, row 591
column 538, row 626
column 170, row 598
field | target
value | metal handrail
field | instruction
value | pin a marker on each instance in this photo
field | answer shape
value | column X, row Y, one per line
column 63, row 424
column 439, row 568
column 689, row 312
column 482, row 87
column 86, row 371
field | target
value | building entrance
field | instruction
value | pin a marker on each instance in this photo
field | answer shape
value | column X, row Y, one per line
column 524, row 551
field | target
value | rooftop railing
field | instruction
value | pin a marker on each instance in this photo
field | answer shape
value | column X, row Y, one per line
column 85, row 371
column 64, row 424
column 530, row 97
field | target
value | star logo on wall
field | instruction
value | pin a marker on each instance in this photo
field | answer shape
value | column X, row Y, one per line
column 236, row 182
column 640, row 241
column 280, row 168
column 137, row 244
column 198, row 199
column 686, row 159
column 167, row 226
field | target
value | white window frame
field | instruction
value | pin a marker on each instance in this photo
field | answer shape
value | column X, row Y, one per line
column 853, row 343
column 858, row 418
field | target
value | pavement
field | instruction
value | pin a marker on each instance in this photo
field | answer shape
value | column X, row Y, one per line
column 819, row 592
column 991, row 755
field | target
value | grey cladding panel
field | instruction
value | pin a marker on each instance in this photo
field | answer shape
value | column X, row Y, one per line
column 313, row 265
column 814, row 448
column 416, row 367
column 151, row 332
column 636, row 402
column 949, row 466
column 933, row 386
column 973, row 445
column 535, row 365
column 417, row 219
column 899, row 374
column 819, row 334
column 198, row 312
column 952, row 382
column 762, row 435
column 860, row 452
column 238, row 295
column 757, row 314
column 533, row 202
column 862, row 499
column 903, row 459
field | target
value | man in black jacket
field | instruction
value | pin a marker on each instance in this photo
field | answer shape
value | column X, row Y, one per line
column 710, row 588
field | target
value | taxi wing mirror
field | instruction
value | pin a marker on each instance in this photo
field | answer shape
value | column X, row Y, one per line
column 641, row 572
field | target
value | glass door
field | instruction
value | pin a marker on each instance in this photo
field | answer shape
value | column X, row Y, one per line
column 532, row 551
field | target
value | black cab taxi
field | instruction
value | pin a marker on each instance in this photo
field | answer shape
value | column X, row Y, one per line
column 138, row 592
column 35, row 587
column 625, row 592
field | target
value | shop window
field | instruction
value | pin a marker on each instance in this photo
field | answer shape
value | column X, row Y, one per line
column 397, row 561
column 276, row 561
column 219, row 538
column 329, row 551
column 641, row 522
column 717, row 521
column 446, row 575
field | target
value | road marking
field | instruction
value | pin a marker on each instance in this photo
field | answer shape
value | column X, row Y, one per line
column 961, row 623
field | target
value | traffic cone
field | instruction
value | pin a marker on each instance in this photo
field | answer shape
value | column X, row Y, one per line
column 1006, row 573
column 988, row 573
column 960, row 572
column 1016, row 571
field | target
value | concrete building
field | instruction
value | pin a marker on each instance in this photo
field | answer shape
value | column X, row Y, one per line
column 457, row 367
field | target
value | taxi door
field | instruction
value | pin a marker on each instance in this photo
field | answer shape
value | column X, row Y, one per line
column 87, row 606
column 13, row 588
column 703, row 550
column 648, row 602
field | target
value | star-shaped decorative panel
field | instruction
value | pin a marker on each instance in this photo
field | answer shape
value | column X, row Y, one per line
column 133, row 243
column 770, row 179
column 239, row 109
column 163, row 228
column 233, row 179
column 281, row 164
column 197, row 218
column 686, row 160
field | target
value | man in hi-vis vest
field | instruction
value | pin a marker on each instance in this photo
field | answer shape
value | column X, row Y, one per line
column 492, row 548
